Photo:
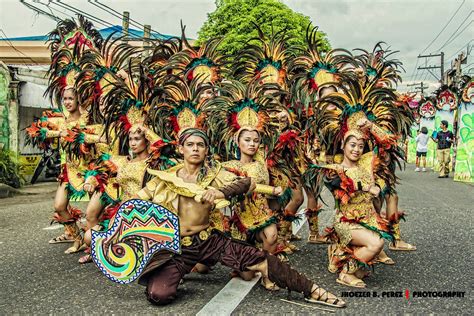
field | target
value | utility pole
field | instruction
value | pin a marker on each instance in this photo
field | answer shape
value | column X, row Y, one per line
column 125, row 24
column 461, row 59
column 429, row 68
column 419, row 87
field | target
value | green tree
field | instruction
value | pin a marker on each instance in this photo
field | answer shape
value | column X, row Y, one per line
column 233, row 20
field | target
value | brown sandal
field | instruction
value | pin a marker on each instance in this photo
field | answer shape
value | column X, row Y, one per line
column 64, row 238
column 85, row 259
column 335, row 303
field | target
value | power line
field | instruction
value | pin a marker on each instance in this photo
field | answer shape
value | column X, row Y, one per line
column 461, row 49
column 77, row 11
column 451, row 39
column 51, row 10
column 89, row 16
column 414, row 69
column 38, row 10
column 452, row 17
column 16, row 49
column 118, row 14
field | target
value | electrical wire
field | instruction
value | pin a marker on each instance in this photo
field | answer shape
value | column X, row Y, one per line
column 6, row 40
column 449, row 21
column 91, row 17
column 118, row 14
column 451, row 39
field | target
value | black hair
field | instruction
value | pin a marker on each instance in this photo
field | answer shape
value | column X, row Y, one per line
column 248, row 130
column 445, row 123
column 424, row 130
column 193, row 132
column 347, row 140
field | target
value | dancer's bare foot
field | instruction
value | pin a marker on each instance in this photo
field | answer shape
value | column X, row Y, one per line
column 360, row 274
column 76, row 247
column 295, row 237
column 269, row 285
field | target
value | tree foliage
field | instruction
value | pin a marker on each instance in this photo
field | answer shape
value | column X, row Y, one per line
column 233, row 19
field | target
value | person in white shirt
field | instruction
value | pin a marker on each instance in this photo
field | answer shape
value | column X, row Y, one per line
column 421, row 148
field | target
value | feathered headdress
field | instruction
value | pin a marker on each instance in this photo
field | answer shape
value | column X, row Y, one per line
column 160, row 56
column 98, row 69
column 128, row 101
column 354, row 102
column 204, row 63
column 313, row 68
column 68, row 43
column 240, row 107
column 178, row 107
column 376, row 66
column 264, row 59
column 68, row 33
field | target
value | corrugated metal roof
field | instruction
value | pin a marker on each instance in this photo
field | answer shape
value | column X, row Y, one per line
column 104, row 32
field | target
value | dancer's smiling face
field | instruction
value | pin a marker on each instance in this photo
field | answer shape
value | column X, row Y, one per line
column 70, row 100
column 353, row 148
column 248, row 142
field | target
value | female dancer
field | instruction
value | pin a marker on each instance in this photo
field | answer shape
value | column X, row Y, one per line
column 70, row 181
column 358, row 231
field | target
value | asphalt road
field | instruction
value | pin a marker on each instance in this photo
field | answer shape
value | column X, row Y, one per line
column 38, row 278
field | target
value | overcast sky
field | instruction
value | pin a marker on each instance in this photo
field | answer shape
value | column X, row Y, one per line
column 406, row 25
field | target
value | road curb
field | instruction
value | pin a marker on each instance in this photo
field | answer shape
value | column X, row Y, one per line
column 7, row 191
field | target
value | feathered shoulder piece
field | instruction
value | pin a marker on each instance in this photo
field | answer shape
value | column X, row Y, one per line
column 204, row 63
column 241, row 107
column 264, row 59
column 313, row 67
column 378, row 66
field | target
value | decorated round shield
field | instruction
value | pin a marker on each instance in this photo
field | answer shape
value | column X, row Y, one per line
column 139, row 229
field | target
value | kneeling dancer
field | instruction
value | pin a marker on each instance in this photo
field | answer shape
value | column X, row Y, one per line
column 173, row 189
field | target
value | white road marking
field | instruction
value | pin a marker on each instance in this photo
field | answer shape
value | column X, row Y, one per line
column 53, row 227
column 236, row 289
column 229, row 297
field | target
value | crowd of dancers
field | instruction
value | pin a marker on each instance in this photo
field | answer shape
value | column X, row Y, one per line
column 256, row 132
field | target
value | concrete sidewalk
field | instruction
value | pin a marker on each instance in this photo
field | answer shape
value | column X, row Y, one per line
column 7, row 191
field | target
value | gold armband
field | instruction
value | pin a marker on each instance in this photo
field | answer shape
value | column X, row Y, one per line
column 265, row 189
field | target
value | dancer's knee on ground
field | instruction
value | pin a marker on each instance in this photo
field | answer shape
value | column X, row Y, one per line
column 160, row 295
